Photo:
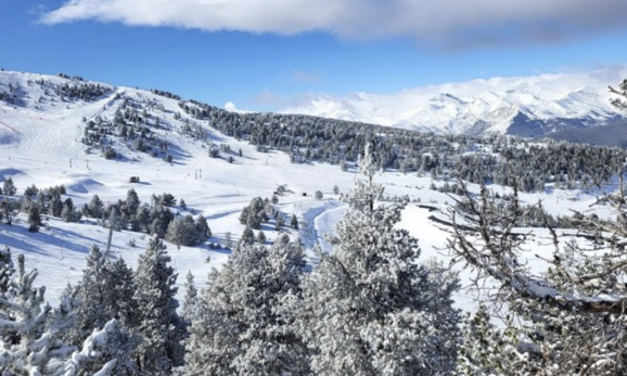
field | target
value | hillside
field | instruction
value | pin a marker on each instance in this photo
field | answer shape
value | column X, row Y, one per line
column 609, row 135
column 61, row 131
column 41, row 145
column 91, row 159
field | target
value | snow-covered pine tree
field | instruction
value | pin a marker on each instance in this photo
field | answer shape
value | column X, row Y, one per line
column 369, row 307
column 182, row 231
column 6, row 269
column 189, row 309
column 56, row 204
column 160, row 218
column 92, row 295
column 62, row 321
column 489, row 350
column 203, row 229
column 68, row 213
column 34, row 218
column 261, row 237
column 294, row 222
column 106, row 352
column 132, row 202
column 105, row 293
column 95, row 207
column 120, row 299
column 567, row 320
column 26, row 347
column 31, row 191
column 619, row 96
column 248, row 236
column 8, row 187
column 160, row 327
column 244, row 325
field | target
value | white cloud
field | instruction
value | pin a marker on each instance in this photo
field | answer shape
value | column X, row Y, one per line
column 455, row 23
column 230, row 106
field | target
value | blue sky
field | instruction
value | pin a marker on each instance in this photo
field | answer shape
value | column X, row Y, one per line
column 266, row 55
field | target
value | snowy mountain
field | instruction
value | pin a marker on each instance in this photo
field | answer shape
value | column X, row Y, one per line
column 60, row 130
column 524, row 106
column 42, row 124
column 149, row 155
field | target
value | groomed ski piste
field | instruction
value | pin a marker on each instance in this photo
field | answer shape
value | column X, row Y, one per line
column 40, row 144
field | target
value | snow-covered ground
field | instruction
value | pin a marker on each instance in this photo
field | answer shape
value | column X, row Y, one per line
column 39, row 144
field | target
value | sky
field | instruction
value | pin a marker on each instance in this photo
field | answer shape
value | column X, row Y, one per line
column 273, row 54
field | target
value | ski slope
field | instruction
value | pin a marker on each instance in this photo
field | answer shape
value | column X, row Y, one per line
column 39, row 144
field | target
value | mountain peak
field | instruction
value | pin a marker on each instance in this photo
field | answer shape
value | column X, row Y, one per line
column 550, row 99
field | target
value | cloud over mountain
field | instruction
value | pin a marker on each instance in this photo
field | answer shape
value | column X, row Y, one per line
column 445, row 22
column 494, row 104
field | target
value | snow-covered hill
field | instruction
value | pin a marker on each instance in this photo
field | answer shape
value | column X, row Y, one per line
column 525, row 106
column 41, row 127
column 43, row 120
column 40, row 133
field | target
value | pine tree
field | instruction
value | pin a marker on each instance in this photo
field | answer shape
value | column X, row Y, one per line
column 160, row 327
column 95, row 207
column 31, row 191
column 183, row 231
column 261, row 237
column 243, row 217
column 203, row 229
column 245, row 326
column 6, row 269
column 248, row 236
column 6, row 206
column 64, row 316
column 142, row 218
column 160, row 219
column 294, row 222
column 132, row 202
column 105, row 293
column 114, row 218
column 189, row 310
column 68, row 212
column 26, row 347
column 91, row 312
column 254, row 214
column 8, row 187
column 121, row 287
column 487, row 350
column 34, row 219
column 107, row 351
column 56, row 205
column 280, row 222
column 369, row 308
column 566, row 320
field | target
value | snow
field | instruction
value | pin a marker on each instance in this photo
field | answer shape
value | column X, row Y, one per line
column 457, row 107
column 44, row 152
column 40, row 147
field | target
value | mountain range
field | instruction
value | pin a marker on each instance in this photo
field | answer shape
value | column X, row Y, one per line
column 555, row 105
column 532, row 106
